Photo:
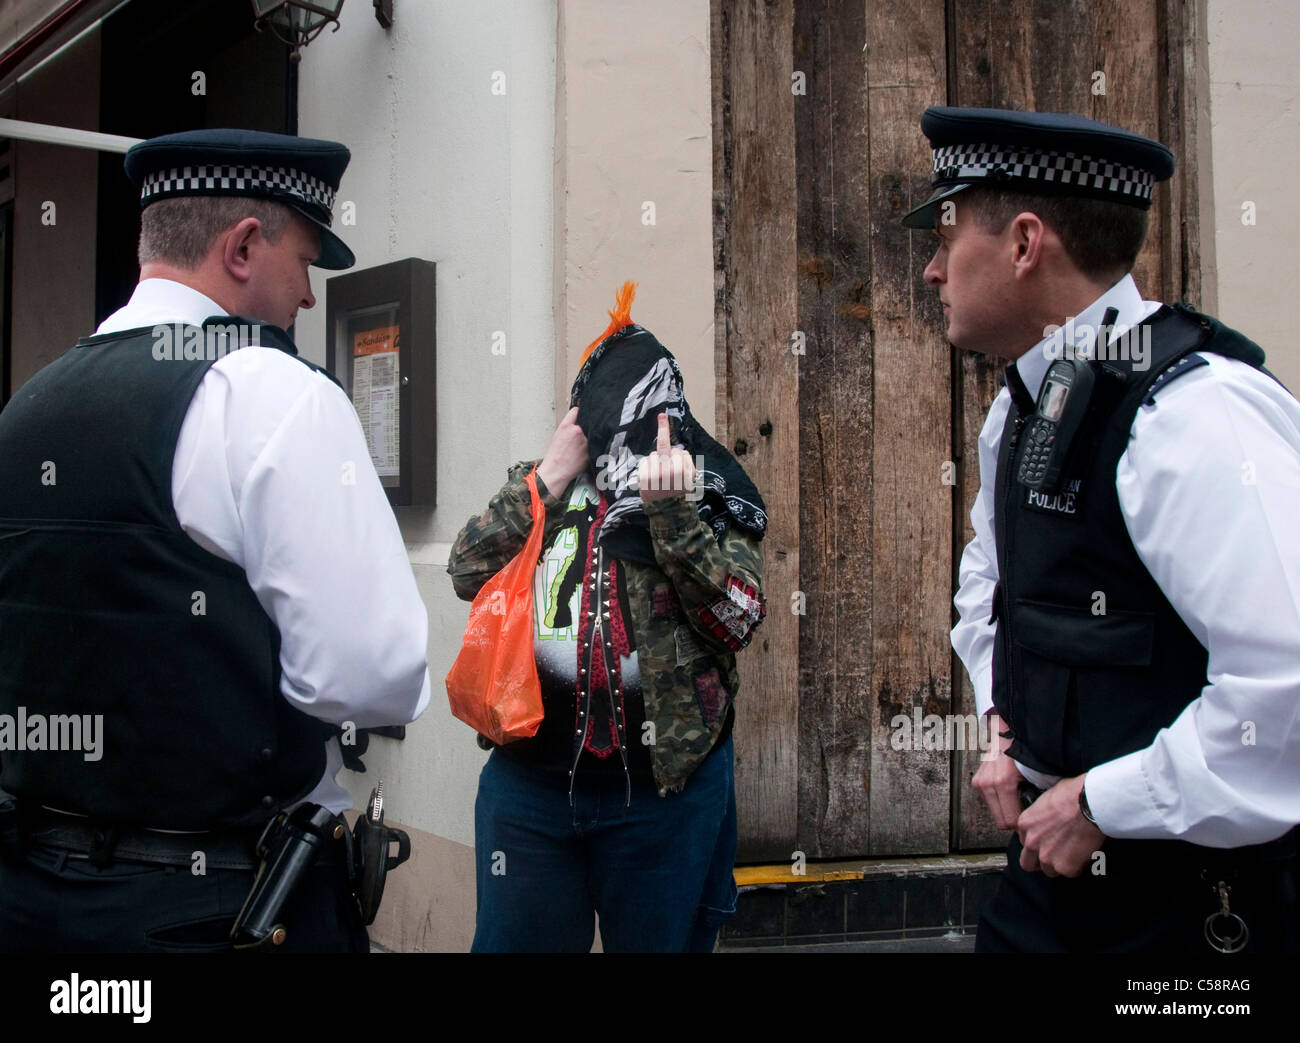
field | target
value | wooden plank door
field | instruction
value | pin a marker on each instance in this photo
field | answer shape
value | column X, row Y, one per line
column 837, row 389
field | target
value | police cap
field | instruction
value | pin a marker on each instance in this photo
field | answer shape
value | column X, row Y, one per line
column 301, row 173
column 1038, row 152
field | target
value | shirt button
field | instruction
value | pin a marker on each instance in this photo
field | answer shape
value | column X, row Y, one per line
column 267, row 801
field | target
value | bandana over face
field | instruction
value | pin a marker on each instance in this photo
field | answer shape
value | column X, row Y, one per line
column 626, row 380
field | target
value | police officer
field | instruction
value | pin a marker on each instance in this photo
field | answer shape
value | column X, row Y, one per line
column 202, row 584
column 1130, row 603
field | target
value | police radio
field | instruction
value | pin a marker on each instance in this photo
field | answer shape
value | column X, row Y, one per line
column 1063, row 404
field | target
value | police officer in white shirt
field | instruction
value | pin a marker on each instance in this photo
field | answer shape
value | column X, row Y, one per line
column 1130, row 603
column 199, row 566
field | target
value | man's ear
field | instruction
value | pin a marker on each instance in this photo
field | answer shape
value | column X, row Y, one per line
column 1027, row 234
column 238, row 242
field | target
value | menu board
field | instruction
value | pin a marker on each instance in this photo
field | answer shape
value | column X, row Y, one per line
column 376, row 376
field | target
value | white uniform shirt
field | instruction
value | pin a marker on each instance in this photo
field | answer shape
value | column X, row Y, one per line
column 258, row 479
column 1209, row 488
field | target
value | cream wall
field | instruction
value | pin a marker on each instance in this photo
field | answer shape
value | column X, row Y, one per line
column 634, row 126
column 1255, row 142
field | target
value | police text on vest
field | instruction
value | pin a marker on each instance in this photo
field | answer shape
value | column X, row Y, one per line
column 1061, row 503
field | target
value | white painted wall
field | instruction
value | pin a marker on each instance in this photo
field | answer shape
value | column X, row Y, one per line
column 1255, row 140
column 444, row 169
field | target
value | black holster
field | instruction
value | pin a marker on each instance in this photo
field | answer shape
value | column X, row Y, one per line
column 289, row 846
column 373, row 856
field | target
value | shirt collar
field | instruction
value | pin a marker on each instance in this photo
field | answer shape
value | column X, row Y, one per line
column 1081, row 329
column 161, row 301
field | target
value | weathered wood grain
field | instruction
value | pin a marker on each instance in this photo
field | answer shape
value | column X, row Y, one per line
column 911, row 435
column 759, row 313
column 848, row 442
column 836, row 506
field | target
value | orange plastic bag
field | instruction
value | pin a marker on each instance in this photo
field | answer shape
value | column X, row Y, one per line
column 493, row 685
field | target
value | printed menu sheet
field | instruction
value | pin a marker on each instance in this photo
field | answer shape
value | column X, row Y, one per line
column 375, row 379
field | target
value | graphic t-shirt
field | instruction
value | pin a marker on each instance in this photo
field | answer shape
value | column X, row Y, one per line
column 558, row 586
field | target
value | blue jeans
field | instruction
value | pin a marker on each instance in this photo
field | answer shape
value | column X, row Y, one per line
column 658, row 872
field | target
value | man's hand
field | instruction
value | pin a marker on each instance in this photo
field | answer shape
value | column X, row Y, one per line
column 998, row 779
column 566, row 456
column 1057, row 838
column 667, row 471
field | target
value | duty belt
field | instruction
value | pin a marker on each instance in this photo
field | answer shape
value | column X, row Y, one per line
column 102, row 843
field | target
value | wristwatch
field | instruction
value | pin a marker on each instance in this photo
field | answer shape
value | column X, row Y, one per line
column 1083, row 805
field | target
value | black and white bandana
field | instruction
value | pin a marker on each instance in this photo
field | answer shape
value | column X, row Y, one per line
column 629, row 379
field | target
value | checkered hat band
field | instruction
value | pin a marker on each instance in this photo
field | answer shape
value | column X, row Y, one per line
column 1000, row 163
column 238, row 181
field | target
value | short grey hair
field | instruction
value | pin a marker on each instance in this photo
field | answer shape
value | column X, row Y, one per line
column 180, row 231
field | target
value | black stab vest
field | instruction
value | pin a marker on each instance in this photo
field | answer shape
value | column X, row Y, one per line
column 108, row 608
column 1080, row 680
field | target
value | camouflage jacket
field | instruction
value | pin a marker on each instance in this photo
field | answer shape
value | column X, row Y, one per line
column 689, row 615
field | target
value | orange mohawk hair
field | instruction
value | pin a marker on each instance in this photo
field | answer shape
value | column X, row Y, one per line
column 619, row 316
